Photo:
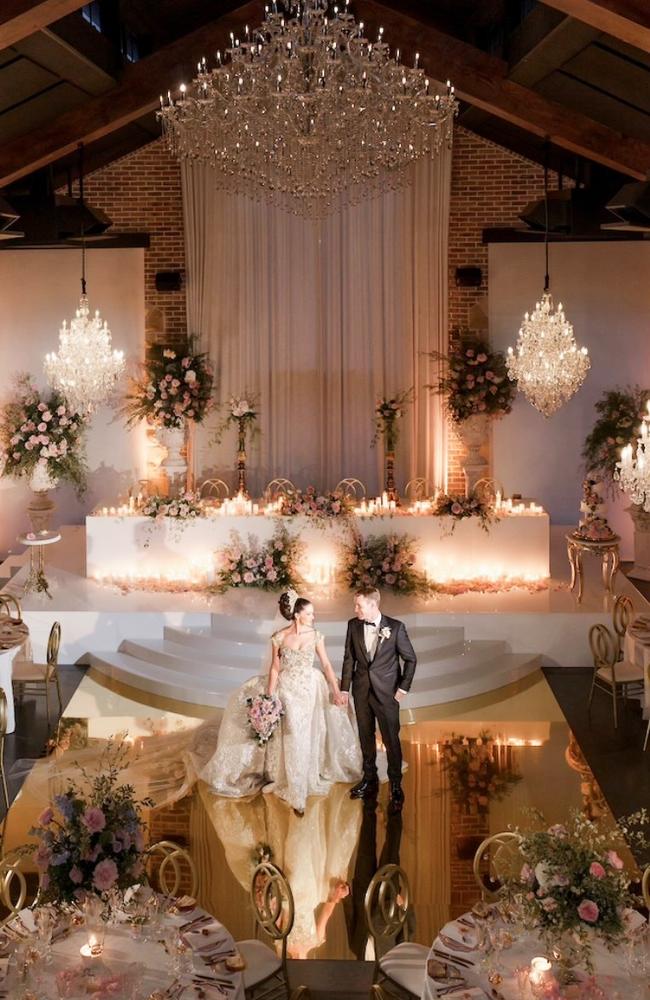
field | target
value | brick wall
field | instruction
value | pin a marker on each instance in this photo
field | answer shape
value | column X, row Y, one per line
column 489, row 187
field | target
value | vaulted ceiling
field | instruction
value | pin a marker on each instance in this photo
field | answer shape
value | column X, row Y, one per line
column 572, row 72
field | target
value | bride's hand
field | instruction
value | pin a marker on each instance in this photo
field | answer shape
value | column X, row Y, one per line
column 341, row 698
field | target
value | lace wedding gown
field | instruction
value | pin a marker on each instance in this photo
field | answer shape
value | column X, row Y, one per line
column 315, row 745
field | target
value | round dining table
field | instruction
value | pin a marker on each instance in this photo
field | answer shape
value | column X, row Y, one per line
column 636, row 649
column 14, row 633
column 457, row 969
column 134, row 965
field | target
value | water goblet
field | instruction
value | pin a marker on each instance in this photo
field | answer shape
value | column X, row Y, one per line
column 44, row 922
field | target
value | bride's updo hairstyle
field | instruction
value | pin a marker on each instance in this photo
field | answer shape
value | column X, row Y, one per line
column 290, row 605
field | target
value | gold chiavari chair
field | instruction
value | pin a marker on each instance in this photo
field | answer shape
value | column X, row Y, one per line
column 10, row 605
column 611, row 675
column 645, row 887
column 214, row 489
column 171, row 868
column 399, row 968
column 3, row 733
column 416, row 489
column 496, row 859
column 265, row 975
column 279, row 488
column 35, row 678
column 15, row 891
column 621, row 617
column 353, row 488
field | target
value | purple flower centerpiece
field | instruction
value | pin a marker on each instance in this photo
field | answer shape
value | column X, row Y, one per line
column 91, row 838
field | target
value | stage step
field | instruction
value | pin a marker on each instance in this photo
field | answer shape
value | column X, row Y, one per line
column 486, row 675
column 155, row 679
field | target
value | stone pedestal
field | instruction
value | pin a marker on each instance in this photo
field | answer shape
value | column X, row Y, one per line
column 473, row 432
column 174, row 464
column 641, row 521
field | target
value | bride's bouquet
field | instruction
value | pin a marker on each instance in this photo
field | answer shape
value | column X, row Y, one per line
column 264, row 714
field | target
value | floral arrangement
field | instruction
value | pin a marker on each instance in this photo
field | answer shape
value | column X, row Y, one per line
column 475, row 776
column 572, row 882
column 264, row 714
column 385, row 561
column 475, row 378
column 173, row 386
column 91, row 842
column 319, row 507
column 387, row 413
column 271, row 566
column 242, row 412
column 620, row 412
column 41, row 438
column 183, row 508
column 458, row 506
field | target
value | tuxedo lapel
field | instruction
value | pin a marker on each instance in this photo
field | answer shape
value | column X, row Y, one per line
column 361, row 642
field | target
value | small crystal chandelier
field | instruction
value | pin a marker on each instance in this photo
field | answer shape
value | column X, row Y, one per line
column 304, row 109
column 633, row 470
column 86, row 368
column 547, row 364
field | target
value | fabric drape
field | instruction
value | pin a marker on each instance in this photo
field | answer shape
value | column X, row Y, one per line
column 318, row 318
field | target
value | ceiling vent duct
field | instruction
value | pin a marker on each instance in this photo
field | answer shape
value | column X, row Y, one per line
column 631, row 207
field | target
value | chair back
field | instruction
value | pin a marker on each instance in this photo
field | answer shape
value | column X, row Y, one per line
column 53, row 645
column 3, row 714
column 621, row 618
column 14, row 887
column 496, row 858
column 279, row 487
column 11, row 606
column 386, row 905
column 273, row 905
column 216, row 489
column 172, row 867
column 645, row 887
column 416, row 489
column 351, row 488
column 604, row 649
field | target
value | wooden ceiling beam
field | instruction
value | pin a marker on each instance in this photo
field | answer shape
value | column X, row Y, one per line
column 628, row 20
column 137, row 93
column 481, row 80
column 20, row 18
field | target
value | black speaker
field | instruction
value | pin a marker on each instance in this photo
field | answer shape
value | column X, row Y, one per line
column 168, row 281
column 469, row 277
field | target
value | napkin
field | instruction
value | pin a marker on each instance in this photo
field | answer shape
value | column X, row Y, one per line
column 209, row 939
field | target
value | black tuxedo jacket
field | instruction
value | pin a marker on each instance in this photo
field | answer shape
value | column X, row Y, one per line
column 392, row 666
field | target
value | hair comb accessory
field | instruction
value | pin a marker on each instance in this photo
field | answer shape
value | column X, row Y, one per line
column 292, row 596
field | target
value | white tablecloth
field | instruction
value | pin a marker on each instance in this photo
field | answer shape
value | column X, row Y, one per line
column 636, row 648
column 609, row 968
column 122, row 950
column 6, row 660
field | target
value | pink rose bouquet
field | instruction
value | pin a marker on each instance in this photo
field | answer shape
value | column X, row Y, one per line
column 473, row 378
column 264, row 714
column 174, row 385
column 271, row 566
column 91, row 839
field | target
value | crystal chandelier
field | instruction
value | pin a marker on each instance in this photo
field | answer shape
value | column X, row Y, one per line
column 305, row 110
column 85, row 369
column 633, row 470
column 547, row 364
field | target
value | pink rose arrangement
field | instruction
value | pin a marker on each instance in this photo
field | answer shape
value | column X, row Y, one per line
column 271, row 566
column 474, row 378
column 384, row 561
column 91, row 839
column 387, row 413
column 458, row 507
column 264, row 714
column 173, row 386
column 572, row 885
column 474, row 772
column 41, row 436
column 321, row 508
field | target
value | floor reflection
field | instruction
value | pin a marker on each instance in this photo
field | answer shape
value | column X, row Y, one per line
column 473, row 773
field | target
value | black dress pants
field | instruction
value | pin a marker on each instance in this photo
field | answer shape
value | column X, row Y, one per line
column 383, row 709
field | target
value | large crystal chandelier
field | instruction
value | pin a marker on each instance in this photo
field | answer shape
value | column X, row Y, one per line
column 547, row 364
column 633, row 470
column 304, row 109
column 86, row 368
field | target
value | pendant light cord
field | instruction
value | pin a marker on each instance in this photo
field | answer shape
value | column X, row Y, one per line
column 83, row 234
column 546, row 226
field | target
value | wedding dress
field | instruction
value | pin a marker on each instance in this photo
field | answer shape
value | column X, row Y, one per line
column 315, row 745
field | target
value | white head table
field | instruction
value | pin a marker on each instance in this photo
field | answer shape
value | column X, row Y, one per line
column 135, row 547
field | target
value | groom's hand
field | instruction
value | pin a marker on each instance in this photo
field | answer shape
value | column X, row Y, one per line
column 400, row 695
column 342, row 699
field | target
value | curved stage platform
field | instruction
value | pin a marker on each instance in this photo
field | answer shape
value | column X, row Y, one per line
column 192, row 651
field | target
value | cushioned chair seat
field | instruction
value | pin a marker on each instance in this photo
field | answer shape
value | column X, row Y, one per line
column 626, row 673
column 25, row 670
column 261, row 962
column 406, row 965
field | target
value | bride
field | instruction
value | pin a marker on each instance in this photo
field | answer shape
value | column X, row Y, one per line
column 316, row 742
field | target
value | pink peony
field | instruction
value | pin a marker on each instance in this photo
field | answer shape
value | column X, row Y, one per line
column 248, row 577
column 588, row 911
column 596, row 870
column 46, row 817
column 93, row 819
column 105, row 875
column 549, row 904
column 614, row 860
column 76, row 875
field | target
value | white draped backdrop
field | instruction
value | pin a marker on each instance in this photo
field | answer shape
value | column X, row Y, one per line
column 319, row 319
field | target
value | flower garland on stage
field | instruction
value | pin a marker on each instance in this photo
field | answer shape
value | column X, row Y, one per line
column 187, row 507
column 321, row 508
column 384, row 561
column 268, row 566
column 41, row 438
column 172, row 387
column 458, row 507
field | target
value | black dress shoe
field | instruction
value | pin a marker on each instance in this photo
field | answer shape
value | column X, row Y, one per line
column 366, row 789
column 396, row 802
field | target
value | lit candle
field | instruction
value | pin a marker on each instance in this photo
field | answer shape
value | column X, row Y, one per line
column 540, row 969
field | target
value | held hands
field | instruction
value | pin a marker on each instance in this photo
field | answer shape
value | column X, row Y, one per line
column 341, row 698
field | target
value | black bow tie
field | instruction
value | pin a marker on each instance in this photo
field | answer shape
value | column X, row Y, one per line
column 372, row 624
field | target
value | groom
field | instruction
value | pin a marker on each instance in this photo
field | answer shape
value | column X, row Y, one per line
column 374, row 646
